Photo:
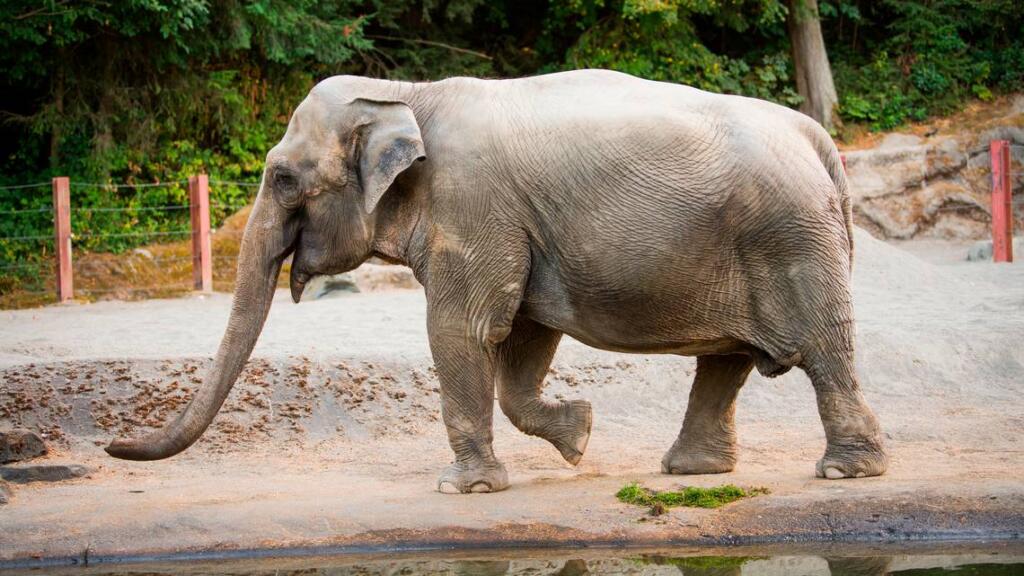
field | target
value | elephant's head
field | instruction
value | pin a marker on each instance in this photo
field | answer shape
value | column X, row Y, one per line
column 317, row 201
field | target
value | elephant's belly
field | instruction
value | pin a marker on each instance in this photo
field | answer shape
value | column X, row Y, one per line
column 620, row 321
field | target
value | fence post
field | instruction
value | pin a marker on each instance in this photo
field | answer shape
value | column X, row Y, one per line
column 1002, row 209
column 62, row 236
column 202, row 261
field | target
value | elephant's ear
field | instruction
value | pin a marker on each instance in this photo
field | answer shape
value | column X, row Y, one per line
column 389, row 142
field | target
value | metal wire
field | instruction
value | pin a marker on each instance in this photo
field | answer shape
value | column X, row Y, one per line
column 233, row 183
column 142, row 260
column 50, row 292
column 77, row 183
column 178, row 286
column 135, row 209
column 123, row 186
column 26, row 238
column 26, row 210
column 35, row 265
column 77, row 235
column 23, row 186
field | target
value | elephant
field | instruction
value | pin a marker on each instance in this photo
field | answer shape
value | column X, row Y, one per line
column 632, row 215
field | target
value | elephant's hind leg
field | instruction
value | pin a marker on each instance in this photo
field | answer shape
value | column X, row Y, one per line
column 854, row 439
column 522, row 361
column 707, row 441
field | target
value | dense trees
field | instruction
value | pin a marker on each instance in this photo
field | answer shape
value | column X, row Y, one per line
column 155, row 89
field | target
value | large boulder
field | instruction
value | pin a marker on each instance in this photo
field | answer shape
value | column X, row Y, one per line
column 18, row 445
column 936, row 184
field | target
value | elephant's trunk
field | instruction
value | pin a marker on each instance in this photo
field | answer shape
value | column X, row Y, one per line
column 265, row 244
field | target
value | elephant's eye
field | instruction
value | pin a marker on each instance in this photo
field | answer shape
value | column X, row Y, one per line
column 285, row 180
column 286, row 187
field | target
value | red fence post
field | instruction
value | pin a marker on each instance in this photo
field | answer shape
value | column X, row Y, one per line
column 202, row 261
column 1002, row 209
column 62, row 236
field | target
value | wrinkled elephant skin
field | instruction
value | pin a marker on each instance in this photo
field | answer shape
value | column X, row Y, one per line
column 632, row 215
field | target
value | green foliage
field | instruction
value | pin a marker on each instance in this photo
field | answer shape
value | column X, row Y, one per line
column 149, row 91
column 690, row 496
column 658, row 39
column 157, row 90
column 925, row 58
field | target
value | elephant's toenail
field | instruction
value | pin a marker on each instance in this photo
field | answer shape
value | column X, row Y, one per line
column 447, row 488
column 861, row 474
column 480, row 487
column 833, row 473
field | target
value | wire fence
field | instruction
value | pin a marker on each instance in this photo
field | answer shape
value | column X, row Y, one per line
column 27, row 265
column 27, row 259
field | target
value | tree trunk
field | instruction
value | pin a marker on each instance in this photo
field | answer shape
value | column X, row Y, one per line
column 813, row 73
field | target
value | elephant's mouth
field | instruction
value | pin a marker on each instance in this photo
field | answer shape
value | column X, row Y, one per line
column 299, row 275
column 297, row 281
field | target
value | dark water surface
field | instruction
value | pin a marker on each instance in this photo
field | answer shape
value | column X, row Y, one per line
column 995, row 560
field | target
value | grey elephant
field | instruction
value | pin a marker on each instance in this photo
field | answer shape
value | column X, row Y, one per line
column 632, row 215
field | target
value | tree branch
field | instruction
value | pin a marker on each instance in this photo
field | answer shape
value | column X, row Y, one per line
column 39, row 11
column 430, row 43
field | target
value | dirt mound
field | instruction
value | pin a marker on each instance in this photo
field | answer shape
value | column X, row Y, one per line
column 333, row 433
column 358, row 365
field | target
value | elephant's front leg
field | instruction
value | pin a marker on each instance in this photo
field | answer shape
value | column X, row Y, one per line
column 521, row 363
column 465, row 369
column 474, row 283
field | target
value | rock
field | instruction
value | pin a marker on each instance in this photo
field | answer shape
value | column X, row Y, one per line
column 5, row 493
column 897, row 140
column 906, row 187
column 1015, row 134
column 372, row 277
column 51, row 473
column 17, row 445
column 329, row 286
column 981, row 251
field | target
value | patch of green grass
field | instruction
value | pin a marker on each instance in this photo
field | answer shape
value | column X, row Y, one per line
column 690, row 496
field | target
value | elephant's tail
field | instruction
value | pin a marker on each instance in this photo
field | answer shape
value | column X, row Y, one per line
column 843, row 186
column 837, row 171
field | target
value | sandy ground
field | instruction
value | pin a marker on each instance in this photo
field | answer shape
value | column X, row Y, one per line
column 333, row 435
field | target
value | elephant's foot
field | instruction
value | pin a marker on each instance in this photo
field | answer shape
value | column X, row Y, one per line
column 689, row 458
column 571, row 433
column 853, row 460
column 462, row 478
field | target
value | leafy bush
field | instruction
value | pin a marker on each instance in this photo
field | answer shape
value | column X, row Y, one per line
column 157, row 90
column 926, row 58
